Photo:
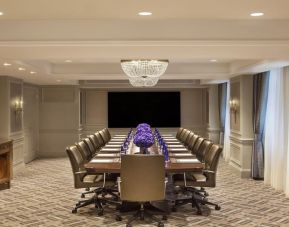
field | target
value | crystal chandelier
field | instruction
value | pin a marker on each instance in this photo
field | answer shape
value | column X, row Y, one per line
column 144, row 73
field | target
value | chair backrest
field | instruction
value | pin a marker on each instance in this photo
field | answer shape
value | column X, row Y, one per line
column 179, row 133
column 99, row 139
column 77, row 162
column 94, row 141
column 90, row 145
column 192, row 141
column 142, row 178
column 189, row 137
column 184, row 135
column 197, row 145
column 107, row 133
column 84, row 150
column 203, row 149
column 211, row 163
column 104, row 136
column 212, row 157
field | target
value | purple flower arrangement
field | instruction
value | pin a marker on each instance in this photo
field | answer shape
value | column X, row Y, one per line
column 143, row 136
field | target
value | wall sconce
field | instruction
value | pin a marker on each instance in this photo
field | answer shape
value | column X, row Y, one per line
column 234, row 108
column 18, row 106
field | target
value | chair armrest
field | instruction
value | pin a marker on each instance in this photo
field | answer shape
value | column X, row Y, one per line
column 208, row 171
column 81, row 172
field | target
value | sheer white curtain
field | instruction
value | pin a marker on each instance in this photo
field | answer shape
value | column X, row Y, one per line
column 276, row 127
column 226, row 147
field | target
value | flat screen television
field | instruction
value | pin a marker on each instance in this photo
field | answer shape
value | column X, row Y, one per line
column 128, row 109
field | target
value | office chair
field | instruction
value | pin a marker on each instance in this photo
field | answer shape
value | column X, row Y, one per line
column 178, row 133
column 84, row 180
column 188, row 181
column 84, row 150
column 106, row 131
column 197, row 145
column 189, row 137
column 100, row 140
column 192, row 142
column 90, row 145
column 203, row 149
column 104, row 136
column 142, row 181
column 184, row 135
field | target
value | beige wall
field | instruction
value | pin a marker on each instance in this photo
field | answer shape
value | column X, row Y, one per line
column 59, row 119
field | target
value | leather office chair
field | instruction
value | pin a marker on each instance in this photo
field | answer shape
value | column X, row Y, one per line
column 104, row 136
column 197, row 145
column 188, row 181
column 84, row 180
column 84, row 150
column 179, row 133
column 90, row 145
column 95, row 143
column 142, row 180
column 184, row 135
column 189, row 137
column 203, row 149
column 101, row 142
column 192, row 142
column 106, row 131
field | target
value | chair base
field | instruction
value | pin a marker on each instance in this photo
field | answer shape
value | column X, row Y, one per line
column 141, row 214
column 197, row 198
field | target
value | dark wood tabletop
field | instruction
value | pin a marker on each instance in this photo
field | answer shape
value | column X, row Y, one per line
column 171, row 166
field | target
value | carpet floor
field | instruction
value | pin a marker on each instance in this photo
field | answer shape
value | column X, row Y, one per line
column 43, row 195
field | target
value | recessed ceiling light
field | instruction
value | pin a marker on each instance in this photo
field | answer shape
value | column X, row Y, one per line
column 6, row 64
column 32, row 72
column 1, row 13
column 213, row 60
column 256, row 14
column 58, row 80
column 68, row 61
column 145, row 13
column 21, row 69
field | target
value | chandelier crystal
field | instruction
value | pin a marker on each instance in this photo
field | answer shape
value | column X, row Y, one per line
column 144, row 73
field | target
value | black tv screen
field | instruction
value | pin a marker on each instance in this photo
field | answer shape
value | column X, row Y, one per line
column 128, row 109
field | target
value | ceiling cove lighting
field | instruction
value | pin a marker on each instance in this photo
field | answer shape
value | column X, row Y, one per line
column 145, row 13
column 6, row 64
column 256, row 14
column 144, row 73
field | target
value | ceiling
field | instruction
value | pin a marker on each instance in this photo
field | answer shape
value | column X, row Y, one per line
column 95, row 35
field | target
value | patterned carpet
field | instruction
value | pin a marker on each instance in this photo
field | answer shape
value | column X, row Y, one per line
column 43, row 195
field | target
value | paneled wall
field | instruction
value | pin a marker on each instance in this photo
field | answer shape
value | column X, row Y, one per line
column 59, row 119
column 94, row 111
column 241, row 138
column 31, row 122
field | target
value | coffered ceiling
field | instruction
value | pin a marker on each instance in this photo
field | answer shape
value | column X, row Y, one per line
column 64, row 41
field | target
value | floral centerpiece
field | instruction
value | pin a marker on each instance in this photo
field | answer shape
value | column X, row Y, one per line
column 143, row 137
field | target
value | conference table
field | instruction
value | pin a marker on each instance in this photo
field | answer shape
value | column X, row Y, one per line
column 108, row 160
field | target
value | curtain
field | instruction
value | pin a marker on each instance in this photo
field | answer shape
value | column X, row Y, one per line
column 222, row 93
column 260, row 94
column 226, row 147
column 276, row 164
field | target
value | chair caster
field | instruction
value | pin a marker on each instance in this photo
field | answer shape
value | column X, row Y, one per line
column 118, row 218
column 217, row 207
column 206, row 194
column 164, row 217
column 87, row 189
column 128, row 225
column 100, row 212
column 174, row 209
column 160, row 224
column 74, row 211
column 82, row 196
